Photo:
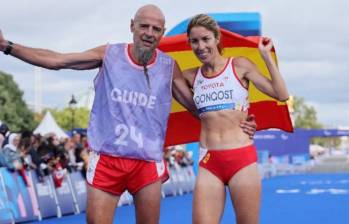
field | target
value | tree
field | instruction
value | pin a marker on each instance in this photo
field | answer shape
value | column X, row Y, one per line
column 304, row 116
column 64, row 117
column 13, row 110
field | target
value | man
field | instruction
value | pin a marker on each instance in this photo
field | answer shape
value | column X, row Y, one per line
column 129, row 115
column 4, row 133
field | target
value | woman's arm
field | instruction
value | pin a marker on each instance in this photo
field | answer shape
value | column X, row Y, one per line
column 275, row 87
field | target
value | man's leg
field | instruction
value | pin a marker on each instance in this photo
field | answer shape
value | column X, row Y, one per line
column 147, row 202
column 100, row 206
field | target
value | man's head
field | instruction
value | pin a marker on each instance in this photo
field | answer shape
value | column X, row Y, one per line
column 147, row 26
column 76, row 137
column 4, row 130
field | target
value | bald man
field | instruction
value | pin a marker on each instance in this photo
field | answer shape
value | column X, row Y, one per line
column 133, row 92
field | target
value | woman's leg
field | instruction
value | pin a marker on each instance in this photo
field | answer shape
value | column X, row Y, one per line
column 245, row 192
column 209, row 198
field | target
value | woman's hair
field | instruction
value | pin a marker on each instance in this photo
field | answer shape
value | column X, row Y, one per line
column 207, row 22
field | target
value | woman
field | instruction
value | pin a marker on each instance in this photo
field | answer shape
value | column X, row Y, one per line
column 227, row 154
column 12, row 156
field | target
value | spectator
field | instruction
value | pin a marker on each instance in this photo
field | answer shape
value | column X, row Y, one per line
column 2, row 139
column 24, row 147
column 186, row 159
column 69, row 148
column 4, row 131
column 84, row 142
column 2, row 159
column 35, row 157
column 46, row 150
column 177, row 156
column 11, row 154
column 53, row 145
column 12, row 157
column 76, row 139
column 58, row 173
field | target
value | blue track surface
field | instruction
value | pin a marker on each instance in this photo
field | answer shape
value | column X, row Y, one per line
column 298, row 199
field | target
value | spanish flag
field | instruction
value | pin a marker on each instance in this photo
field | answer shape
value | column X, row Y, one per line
column 269, row 113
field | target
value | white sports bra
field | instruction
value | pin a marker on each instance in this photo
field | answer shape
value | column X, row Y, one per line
column 220, row 92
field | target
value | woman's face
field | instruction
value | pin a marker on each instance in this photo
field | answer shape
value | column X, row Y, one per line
column 16, row 140
column 203, row 43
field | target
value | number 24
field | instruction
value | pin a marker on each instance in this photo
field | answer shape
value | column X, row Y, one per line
column 122, row 131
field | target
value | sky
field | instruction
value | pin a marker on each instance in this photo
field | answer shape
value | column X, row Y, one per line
column 311, row 39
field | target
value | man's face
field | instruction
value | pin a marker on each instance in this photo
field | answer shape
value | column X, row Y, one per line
column 76, row 137
column 147, row 28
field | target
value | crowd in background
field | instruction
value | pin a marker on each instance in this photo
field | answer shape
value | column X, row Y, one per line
column 177, row 156
column 44, row 154
column 50, row 155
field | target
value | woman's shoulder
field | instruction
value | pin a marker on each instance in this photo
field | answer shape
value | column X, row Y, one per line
column 242, row 62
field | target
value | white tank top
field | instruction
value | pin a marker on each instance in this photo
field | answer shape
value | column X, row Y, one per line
column 220, row 92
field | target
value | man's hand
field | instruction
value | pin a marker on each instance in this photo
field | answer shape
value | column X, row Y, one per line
column 249, row 125
column 3, row 42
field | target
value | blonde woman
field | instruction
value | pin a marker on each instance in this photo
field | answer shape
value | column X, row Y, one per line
column 228, row 156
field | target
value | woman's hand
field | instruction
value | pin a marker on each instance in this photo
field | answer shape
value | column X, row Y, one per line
column 265, row 45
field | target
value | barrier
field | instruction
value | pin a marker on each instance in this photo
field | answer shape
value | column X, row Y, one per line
column 6, row 214
column 65, row 197
column 78, row 184
column 125, row 199
column 20, row 203
column 22, row 200
column 41, row 199
column 182, row 180
column 169, row 188
column 46, row 196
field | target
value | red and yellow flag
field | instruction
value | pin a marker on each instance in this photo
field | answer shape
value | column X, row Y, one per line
column 269, row 113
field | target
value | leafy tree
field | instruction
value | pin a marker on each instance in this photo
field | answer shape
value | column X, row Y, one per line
column 64, row 117
column 13, row 110
column 304, row 115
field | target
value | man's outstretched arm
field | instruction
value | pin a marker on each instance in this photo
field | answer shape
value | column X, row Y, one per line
column 53, row 60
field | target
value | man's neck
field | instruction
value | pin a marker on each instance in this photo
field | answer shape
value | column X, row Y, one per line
column 134, row 56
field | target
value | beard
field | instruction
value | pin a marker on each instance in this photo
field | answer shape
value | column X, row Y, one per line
column 144, row 53
column 144, row 56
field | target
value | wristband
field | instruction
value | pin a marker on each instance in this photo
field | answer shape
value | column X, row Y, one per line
column 8, row 48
